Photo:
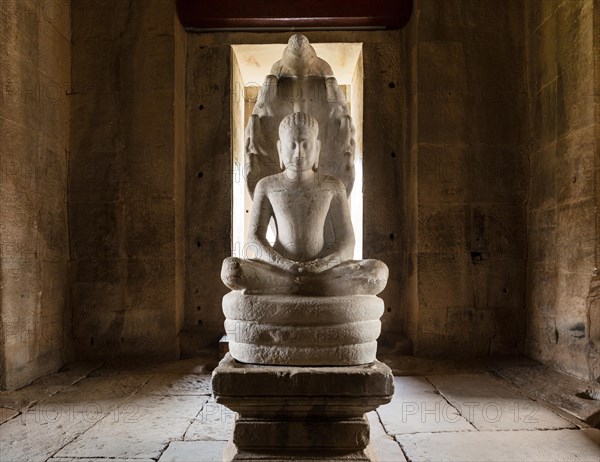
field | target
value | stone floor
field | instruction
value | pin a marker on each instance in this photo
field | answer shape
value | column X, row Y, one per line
column 442, row 410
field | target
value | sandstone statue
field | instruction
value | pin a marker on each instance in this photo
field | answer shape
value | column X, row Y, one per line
column 301, row 82
column 302, row 301
column 299, row 200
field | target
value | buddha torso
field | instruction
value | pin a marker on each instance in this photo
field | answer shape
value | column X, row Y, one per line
column 300, row 210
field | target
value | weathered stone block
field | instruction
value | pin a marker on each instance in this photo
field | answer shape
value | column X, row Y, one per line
column 149, row 229
column 543, row 178
column 286, row 411
column 345, row 435
column 541, row 284
column 33, row 120
column 98, row 272
column 571, row 293
column 445, row 174
column 98, row 336
column 575, row 109
column 54, row 47
column 147, row 172
column 444, row 280
column 501, row 228
column 542, row 53
column 450, row 20
column 500, row 283
column 478, row 323
column 492, row 126
column 443, row 228
column 457, row 331
column 443, row 121
column 53, row 109
column 576, row 219
column 574, row 54
column 497, row 174
column 497, row 71
column 509, row 331
column 94, row 176
column 150, row 284
column 98, row 227
column 543, row 106
column 152, row 333
column 442, row 67
column 575, row 166
column 236, row 379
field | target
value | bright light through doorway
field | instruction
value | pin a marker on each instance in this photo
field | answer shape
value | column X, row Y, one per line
column 250, row 64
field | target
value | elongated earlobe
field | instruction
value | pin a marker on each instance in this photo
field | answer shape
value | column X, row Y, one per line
column 279, row 153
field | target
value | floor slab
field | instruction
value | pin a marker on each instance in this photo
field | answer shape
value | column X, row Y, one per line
column 142, row 428
column 163, row 411
column 557, row 388
column 214, row 423
column 144, row 438
column 417, row 367
column 34, row 436
column 97, row 459
column 194, row 451
column 178, row 384
column 417, row 407
column 383, row 447
column 93, row 396
column 498, row 446
column 197, row 365
column 488, row 404
column 7, row 414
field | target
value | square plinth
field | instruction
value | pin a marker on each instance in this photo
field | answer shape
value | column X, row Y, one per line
column 292, row 411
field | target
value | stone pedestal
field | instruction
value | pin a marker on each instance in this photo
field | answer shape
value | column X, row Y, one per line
column 310, row 413
column 295, row 330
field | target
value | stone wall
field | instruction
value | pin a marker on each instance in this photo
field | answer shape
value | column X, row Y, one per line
column 480, row 153
column 389, row 187
column 126, row 178
column 563, row 196
column 467, row 114
column 35, row 63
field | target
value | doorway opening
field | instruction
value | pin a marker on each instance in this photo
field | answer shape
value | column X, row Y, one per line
column 250, row 65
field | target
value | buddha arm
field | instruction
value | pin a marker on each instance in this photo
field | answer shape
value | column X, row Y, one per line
column 262, row 211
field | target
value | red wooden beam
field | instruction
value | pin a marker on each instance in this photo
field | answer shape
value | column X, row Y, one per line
column 286, row 14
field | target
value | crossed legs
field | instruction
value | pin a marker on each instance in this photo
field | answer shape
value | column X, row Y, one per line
column 353, row 277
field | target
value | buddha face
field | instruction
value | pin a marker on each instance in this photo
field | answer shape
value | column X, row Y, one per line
column 299, row 148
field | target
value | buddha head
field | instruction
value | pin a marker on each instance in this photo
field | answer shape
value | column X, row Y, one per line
column 298, row 145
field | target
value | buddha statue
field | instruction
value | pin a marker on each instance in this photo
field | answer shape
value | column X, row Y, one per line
column 299, row 200
column 302, row 300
